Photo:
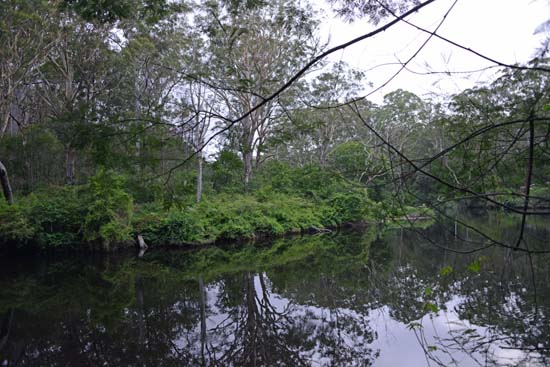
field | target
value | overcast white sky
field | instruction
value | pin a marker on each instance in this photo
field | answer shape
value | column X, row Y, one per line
column 500, row 29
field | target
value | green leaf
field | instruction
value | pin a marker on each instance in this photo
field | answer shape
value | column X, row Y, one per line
column 446, row 270
column 475, row 266
column 430, row 307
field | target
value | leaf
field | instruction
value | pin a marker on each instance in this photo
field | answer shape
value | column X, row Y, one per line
column 474, row 266
column 431, row 307
column 446, row 270
column 547, row 107
column 432, row 348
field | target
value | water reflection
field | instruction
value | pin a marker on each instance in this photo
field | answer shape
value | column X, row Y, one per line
column 345, row 300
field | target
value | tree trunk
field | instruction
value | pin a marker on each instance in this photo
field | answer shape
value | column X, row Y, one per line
column 247, row 168
column 5, row 123
column 199, row 177
column 5, row 183
column 70, row 164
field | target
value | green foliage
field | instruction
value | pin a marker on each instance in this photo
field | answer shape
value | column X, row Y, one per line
column 110, row 209
column 42, row 151
column 102, row 212
column 62, row 217
column 14, row 224
column 431, row 307
column 57, row 216
column 350, row 160
column 539, row 197
column 475, row 266
column 228, row 216
column 226, row 172
column 446, row 270
column 106, row 11
column 47, row 219
column 349, row 207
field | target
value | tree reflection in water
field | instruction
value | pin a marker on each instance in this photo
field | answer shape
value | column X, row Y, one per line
column 298, row 302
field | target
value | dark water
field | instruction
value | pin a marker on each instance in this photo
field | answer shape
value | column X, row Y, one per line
column 392, row 298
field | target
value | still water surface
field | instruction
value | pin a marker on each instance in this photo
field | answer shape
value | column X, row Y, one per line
column 391, row 298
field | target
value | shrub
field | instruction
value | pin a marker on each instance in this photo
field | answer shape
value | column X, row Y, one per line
column 14, row 224
column 57, row 216
column 110, row 209
column 349, row 207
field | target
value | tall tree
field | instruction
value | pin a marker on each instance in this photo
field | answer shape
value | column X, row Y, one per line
column 25, row 46
column 255, row 48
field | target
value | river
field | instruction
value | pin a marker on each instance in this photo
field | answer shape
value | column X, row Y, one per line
column 401, row 297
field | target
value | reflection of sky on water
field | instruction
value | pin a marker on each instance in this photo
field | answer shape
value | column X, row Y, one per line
column 397, row 343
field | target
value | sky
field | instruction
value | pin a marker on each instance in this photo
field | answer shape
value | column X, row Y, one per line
column 500, row 29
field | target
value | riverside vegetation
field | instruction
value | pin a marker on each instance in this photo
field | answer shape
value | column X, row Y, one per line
column 105, row 213
column 188, row 123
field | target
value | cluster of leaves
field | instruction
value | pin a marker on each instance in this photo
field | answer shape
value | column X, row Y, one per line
column 227, row 216
column 62, row 217
column 283, row 199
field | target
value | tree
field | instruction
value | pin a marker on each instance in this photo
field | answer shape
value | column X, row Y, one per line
column 71, row 81
column 24, row 51
column 314, row 122
column 254, row 50
column 198, row 104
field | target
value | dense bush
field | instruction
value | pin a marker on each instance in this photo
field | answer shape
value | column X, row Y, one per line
column 109, row 209
column 228, row 216
column 57, row 215
column 61, row 217
column 282, row 199
column 14, row 224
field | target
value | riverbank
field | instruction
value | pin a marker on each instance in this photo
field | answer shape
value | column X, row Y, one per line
column 104, row 216
column 64, row 222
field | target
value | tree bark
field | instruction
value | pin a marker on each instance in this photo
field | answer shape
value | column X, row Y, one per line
column 199, row 177
column 70, row 164
column 5, row 183
column 247, row 168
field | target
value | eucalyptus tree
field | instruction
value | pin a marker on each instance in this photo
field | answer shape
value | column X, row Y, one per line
column 255, row 48
column 24, row 49
column 71, row 81
column 197, row 102
column 332, row 125
column 401, row 119
column 316, row 120
column 143, row 107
